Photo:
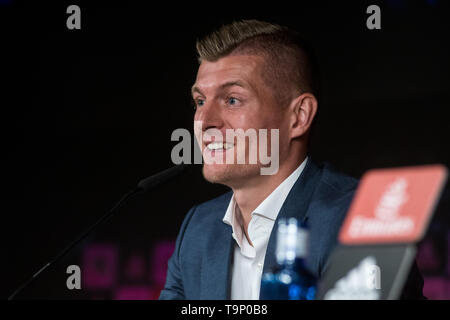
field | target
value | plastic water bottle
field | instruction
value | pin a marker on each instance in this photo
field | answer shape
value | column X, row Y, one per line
column 291, row 280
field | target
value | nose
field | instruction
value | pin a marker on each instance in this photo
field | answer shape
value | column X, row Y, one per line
column 210, row 116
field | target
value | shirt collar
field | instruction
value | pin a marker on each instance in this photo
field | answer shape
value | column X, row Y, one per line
column 230, row 219
column 270, row 207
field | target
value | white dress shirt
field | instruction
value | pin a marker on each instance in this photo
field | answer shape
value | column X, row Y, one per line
column 249, row 260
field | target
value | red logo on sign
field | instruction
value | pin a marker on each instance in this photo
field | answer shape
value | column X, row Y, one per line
column 393, row 205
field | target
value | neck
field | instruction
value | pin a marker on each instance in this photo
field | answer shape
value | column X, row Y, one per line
column 249, row 196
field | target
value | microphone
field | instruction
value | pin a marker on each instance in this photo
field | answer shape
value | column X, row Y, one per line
column 143, row 186
column 155, row 180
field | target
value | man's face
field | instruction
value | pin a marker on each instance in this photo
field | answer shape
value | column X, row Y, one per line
column 231, row 94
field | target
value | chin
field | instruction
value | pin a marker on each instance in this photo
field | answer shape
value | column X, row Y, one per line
column 230, row 175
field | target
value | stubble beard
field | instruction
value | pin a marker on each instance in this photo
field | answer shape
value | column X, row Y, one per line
column 231, row 175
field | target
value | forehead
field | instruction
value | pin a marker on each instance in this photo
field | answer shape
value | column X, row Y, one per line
column 245, row 68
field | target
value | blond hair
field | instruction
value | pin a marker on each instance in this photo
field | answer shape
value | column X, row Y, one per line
column 289, row 61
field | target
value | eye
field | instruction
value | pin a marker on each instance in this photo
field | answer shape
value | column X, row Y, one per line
column 199, row 102
column 232, row 101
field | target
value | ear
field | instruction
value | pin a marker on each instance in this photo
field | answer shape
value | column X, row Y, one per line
column 303, row 109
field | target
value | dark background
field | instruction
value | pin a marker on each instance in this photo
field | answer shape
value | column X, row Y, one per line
column 88, row 113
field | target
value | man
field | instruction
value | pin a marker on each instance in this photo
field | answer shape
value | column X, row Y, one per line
column 254, row 75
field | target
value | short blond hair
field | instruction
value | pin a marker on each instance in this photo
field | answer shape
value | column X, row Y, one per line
column 289, row 61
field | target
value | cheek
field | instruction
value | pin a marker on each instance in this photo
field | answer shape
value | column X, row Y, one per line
column 237, row 120
column 245, row 121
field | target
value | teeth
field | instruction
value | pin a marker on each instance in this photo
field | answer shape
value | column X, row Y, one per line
column 215, row 145
column 219, row 145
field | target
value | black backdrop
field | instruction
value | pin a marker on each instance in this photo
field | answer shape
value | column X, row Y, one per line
column 87, row 113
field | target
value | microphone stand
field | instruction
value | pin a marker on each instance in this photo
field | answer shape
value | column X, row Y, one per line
column 143, row 186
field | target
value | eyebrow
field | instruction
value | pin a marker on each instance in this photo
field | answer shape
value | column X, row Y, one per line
column 222, row 86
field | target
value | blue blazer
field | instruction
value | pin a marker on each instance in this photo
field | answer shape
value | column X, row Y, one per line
column 200, row 267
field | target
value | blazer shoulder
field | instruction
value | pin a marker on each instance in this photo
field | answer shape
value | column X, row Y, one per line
column 326, row 213
column 339, row 182
column 334, row 190
column 217, row 201
column 217, row 204
column 211, row 211
column 333, row 195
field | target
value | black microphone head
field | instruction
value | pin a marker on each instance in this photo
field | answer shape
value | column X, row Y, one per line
column 161, row 177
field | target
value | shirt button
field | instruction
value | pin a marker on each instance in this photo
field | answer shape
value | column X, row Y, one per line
column 260, row 266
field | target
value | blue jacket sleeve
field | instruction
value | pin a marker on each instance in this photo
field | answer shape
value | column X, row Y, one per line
column 173, row 288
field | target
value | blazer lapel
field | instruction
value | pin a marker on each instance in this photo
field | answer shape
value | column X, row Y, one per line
column 295, row 205
column 216, row 268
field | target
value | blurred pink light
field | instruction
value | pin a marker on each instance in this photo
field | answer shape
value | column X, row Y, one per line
column 99, row 266
column 161, row 253
column 134, row 293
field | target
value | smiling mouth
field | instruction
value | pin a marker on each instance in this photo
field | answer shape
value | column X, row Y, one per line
column 217, row 146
